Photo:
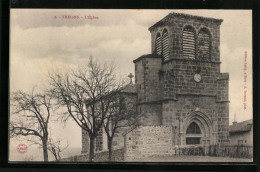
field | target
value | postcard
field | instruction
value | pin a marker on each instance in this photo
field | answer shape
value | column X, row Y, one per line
column 107, row 85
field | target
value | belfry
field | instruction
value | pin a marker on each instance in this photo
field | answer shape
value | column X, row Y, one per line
column 180, row 83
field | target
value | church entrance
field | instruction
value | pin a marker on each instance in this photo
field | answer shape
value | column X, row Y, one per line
column 197, row 129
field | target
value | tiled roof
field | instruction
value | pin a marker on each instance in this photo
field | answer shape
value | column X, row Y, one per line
column 129, row 88
column 147, row 56
column 241, row 126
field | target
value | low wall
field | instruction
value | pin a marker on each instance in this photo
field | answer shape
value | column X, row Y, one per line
column 146, row 141
column 77, row 158
column 117, row 156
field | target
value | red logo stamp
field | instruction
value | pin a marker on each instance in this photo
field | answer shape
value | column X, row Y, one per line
column 22, row 148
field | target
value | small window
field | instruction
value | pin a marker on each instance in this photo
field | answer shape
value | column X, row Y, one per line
column 188, row 42
column 158, row 44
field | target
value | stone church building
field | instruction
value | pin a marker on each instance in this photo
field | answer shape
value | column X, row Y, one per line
column 179, row 90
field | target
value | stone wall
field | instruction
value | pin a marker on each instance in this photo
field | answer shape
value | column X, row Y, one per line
column 146, row 141
column 223, row 108
column 147, row 69
column 117, row 156
column 178, row 78
column 151, row 114
column 147, row 78
column 223, row 122
column 222, row 87
column 172, row 110
column 85, row 142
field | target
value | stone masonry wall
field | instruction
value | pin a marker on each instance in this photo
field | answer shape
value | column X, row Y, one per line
column 151, row 114
column 149, row 89
column 185, row 105
column 178, row 78
column 223, row 108
column 174, row 111
column 223, row 122
column 117, row 156
column 147, row 79
column 175, row 25
column 85, row 142
column 146, row 141
column 222, row 87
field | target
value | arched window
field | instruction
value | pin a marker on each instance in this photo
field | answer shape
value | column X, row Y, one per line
column 204, row 44
column 165, row 45
column 188, row 42
column 158, row 44
column 194, row 134
column 193, row 129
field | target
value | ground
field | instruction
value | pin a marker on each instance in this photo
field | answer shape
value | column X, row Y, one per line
column 183, row 158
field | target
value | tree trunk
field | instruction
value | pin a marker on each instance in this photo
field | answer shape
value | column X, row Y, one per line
column 91, row 148
column 45, row 150
column 110, row 149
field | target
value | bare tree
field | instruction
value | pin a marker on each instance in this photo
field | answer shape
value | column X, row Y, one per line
column 56, row 148
column 31, row 117
column 121, row 114
column 83, row 92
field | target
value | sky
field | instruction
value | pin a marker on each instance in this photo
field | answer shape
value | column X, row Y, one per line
column 41, row 40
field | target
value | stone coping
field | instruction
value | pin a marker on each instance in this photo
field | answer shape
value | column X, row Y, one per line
column 162, row 21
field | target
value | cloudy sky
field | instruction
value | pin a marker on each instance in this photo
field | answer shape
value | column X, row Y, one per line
column 42, row 40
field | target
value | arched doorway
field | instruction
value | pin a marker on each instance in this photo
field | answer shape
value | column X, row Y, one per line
column 198, row 128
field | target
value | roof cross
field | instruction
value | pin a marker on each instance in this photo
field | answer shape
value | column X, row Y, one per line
column 131, row 76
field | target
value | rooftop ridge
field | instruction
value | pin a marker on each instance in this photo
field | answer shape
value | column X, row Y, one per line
column 147, row 56
column 184, row 15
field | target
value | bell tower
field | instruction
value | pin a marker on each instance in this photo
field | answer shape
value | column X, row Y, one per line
column 181, row 78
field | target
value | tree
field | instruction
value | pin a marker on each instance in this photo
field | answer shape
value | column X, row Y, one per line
column 31, row 117
column 121, row 113
column 79, row 91
column 56, row 148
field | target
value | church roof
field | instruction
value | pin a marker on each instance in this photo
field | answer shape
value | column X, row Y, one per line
column 165, row 19
column 241, row 126
column 129, row 88
column 147, row 56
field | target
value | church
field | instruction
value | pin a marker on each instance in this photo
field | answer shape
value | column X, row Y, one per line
column 180, row 92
